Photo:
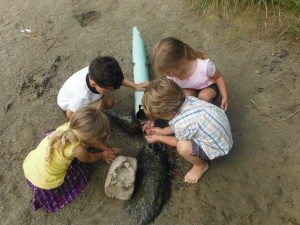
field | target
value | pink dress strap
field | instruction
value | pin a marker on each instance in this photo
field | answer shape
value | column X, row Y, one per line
column 201, row 78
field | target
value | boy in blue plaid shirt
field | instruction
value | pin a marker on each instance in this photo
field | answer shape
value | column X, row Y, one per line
column 202, row 131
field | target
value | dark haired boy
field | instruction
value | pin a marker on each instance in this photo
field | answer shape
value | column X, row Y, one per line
column 93, row 85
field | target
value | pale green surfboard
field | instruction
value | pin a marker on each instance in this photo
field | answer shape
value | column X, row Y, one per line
column 140, row 71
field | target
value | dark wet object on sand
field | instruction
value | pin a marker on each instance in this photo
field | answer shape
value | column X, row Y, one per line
column 152, row 186
column 129, row 124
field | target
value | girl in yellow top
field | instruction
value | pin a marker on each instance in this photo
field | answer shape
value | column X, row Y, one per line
column 58, row 170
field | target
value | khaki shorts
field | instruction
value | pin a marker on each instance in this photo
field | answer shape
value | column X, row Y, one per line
column 97, row 104
column 198, row 151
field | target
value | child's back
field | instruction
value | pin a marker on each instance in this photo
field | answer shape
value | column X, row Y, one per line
column 204, row 123
column 48, row 176
column 93, row 85
column 89, row 85
column 52, row 171
column 75, row 92
column 202, row 130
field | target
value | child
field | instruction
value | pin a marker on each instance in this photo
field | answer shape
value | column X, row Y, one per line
column 187, row 67
column 93, row 85
column 58, row 170
column 202, row 131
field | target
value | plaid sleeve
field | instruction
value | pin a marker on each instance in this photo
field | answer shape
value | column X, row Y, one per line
column 184, row 133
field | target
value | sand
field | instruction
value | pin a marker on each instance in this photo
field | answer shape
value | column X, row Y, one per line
column 258, row 183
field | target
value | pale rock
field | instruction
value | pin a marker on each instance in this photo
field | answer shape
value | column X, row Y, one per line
column 121, row 177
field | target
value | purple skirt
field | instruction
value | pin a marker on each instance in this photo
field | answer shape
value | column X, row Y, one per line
column 52, row 200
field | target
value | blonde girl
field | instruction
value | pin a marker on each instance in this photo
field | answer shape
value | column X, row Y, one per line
column 58, row 169
column 187, row 67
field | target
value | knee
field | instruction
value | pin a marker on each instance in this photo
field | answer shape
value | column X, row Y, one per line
column 190, row 92
column 109, row 103
column 184, row 148
column 206, row 96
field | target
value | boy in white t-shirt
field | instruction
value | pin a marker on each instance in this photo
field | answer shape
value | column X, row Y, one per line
column 93, row 85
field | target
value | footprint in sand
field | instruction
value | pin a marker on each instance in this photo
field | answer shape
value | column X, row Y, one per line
column 87, row 18
column 38, row 83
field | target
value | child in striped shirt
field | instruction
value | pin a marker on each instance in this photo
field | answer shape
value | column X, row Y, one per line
column 202, row 130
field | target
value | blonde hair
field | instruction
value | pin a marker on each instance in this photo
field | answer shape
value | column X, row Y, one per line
column 86, row 124
column 162, row 99
column 170, row 52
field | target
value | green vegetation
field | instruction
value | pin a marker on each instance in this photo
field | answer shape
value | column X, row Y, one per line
column 286, row 12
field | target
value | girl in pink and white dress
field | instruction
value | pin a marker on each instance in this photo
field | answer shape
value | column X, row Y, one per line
column 187, row 67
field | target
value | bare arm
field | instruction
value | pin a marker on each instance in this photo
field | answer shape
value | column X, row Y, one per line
column 169, row 140
column 83, row 155
column 220, row 81
column 162, row 131
column 138, row 87
column 69, row 113
column 168, row 130
column 100, row 145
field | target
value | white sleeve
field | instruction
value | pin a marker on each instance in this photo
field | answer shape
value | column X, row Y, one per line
column 211, row 69
column 76, row 103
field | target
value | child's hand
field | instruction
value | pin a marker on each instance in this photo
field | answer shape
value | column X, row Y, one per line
column 115, row 150
column 147, row 126
column 108, row 156
column 141, row 86
column 224, row 104
column 151, row 138
column 155, row 130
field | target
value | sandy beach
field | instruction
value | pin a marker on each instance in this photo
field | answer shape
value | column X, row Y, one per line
column 257, row 183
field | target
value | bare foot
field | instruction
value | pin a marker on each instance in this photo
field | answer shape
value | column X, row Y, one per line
column 196, row 173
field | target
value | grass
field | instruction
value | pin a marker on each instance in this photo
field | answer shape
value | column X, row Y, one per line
column 285, row 12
